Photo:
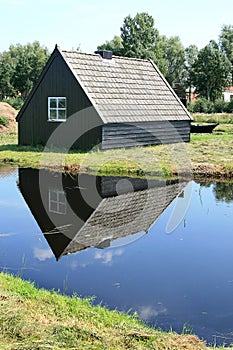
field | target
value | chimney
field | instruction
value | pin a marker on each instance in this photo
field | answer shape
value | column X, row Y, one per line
column 107, row 54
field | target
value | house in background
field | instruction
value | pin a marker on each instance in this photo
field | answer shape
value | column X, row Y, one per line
column 132, row 102
column 228, row 94
column 191, row 95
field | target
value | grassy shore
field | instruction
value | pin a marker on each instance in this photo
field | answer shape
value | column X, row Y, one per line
column 207, row 155
column 36, row 319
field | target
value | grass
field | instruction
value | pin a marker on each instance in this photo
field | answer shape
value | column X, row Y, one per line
column 37, row 319
column 222, row 118
column 3, row 120
column 205, row 155
column 158, row 161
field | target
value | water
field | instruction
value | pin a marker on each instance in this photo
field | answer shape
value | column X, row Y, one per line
column 140, row 251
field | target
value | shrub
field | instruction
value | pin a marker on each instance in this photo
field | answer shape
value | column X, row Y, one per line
column 3, row 121
column 220, row 106
column 190, row 107
column 203, row 106
column 229, row 107
column 15, row 102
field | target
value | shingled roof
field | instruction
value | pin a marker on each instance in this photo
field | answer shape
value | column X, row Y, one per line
column 125, row 89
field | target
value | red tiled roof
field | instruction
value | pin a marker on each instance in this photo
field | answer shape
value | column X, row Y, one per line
column 229, row 89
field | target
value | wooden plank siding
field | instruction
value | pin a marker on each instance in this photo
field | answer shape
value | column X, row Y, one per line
column 116, row 135
column 34, row 127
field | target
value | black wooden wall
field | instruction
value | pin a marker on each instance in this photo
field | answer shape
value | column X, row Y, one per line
column 34, row 127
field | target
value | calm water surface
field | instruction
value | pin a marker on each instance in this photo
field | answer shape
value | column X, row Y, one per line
column 118, row 249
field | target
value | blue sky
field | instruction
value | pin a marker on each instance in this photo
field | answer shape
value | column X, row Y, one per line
column 87, row 23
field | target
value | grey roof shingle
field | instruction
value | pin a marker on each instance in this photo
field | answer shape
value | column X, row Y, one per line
column 125, row 89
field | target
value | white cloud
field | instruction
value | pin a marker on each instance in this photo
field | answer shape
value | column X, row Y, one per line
column 42, row 254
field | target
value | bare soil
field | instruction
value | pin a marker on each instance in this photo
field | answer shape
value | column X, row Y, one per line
column 10, row 114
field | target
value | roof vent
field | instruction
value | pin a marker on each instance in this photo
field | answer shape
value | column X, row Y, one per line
column 107, row 54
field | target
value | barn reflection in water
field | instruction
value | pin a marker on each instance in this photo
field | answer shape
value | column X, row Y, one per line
column 75, row 212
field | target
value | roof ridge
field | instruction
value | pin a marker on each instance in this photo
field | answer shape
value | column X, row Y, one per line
column 132, row 58
column 113, row 56
column 78, row 52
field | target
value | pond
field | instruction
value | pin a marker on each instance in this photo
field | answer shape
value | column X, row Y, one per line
column 161, row 249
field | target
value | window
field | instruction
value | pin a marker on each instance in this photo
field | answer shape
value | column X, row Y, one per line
column 57, row 109
column 57, row 202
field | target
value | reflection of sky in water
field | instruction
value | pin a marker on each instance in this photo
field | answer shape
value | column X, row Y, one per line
column 170, row 280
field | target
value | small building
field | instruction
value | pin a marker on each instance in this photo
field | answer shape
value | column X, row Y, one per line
column 191, row 95
column 132, row 103
column 228, row 94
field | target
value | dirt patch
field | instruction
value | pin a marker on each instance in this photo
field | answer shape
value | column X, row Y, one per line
column 211, row 171
column 9, row 113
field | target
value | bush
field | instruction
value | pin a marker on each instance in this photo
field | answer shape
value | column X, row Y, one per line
column 229, row 108
column 220, row 106
column 203, row 106
column 15, row 102
column 190, row 107
column 3, row 121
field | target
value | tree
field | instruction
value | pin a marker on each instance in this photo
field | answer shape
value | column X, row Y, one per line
column 31, row 59
column 211, row 71
column 175, row 57
column 115, row 45
column 226, row 44
column 191, row 53
column 20, row 68
column 6, row 74
column 139, row 37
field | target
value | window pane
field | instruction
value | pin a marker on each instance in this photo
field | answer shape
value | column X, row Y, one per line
column 52, row 195
column 62, row 197
column 62, row 208
column 53, row 114
column 53, row 103
column 53, row 206
column 61, row 114
column 61, row 103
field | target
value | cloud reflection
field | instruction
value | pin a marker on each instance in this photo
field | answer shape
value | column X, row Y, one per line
column 106, row 257
column 148, row 312
column 42, row 254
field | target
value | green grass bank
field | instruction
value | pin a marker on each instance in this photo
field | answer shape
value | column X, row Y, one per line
column 36, row 319
column 207, row 155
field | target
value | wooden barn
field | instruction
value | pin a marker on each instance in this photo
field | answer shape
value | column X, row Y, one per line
column 132, row 103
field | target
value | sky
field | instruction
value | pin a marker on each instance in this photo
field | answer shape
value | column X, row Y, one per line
column 89, row 23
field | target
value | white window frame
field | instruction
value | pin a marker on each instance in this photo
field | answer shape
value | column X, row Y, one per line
column 57, row 109
column 57, row 202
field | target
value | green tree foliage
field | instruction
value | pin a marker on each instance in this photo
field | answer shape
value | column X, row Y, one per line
column 174, row 55
column 20, row 68
column 139, row 37
column 211, row 71
column 115, row 45
column 226, row 44
column 191, row 54
column 6, row 74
